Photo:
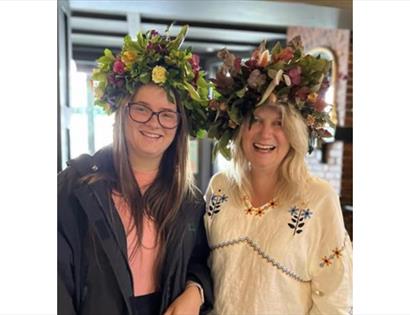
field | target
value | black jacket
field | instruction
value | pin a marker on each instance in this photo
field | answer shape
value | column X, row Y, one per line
column 93, row 271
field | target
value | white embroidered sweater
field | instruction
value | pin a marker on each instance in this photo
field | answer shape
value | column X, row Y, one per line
column 289, row 259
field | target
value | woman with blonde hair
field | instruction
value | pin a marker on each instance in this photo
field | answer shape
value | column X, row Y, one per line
column 276, row 233
column 131, row 238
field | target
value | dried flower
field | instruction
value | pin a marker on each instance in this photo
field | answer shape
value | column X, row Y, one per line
column 295, row 75
column 232, row 124
column 312, row 97
column 222, row 106
column 256, row 79
column 213, row 104
column 302, row 93
column 285, row 55
column 227, row 58
column 319, row 105
column 223, row 79
column 264, row 59
column 310, row 120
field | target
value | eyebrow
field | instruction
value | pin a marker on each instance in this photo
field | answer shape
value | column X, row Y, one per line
column 149, row 105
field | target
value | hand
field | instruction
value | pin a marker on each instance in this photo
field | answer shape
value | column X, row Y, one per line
column 188, row 303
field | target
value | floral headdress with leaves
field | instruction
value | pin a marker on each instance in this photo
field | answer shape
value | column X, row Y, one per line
column 284, row 75
column 158, row 59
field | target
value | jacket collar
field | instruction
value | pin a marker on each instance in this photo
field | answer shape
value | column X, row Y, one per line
column 95, row 199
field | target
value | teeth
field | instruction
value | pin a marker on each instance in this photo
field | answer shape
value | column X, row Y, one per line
column 262, row 147
column 150, row 135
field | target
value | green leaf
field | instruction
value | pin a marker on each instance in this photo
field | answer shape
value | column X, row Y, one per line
column 241, row 92
column 188, row 105
column 108, row 54
column 215, row 150
column 177, row 42
column 201, row 133
column 225, row 138
column 105, row 60
column 226, row 153
column 99, row 76
column 213, row 129
column 276, row 49
column 145, row 78
column 192, row 92
column 233, row 113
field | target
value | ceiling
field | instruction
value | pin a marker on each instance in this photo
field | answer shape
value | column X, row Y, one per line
column 341, row 4
column 237, row 25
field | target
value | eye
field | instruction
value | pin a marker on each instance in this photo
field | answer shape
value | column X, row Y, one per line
column 139, row 108
column 168, row 114
column 277, row 123
column 257, row 118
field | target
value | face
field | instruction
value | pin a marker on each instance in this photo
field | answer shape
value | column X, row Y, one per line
column 149, row 140
column 265, row 144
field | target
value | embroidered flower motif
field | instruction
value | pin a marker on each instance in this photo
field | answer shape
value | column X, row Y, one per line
column 258, row 211
column 248, row 211
column 293, row 211
column 215, row 203
column 307, row 214
column 224, row 198
column 298, row 217
column 337, row 252
column 326, row 261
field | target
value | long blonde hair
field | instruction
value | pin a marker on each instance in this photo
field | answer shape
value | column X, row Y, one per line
column 292, row 173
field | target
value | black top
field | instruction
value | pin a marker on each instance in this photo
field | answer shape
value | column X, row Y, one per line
column 93, row 272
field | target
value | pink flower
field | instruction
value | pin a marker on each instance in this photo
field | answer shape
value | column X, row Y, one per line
column 118, row 67
column 324, row 87
column 237, row 64
column 194, row 61
column 115, row 80
column 294, row 75
column 319, row 105
column 111, row 78
column 302, row 93
column 285, row 55
column 251, row 64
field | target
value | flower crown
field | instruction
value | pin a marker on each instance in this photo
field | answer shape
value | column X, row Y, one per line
column 284, row 75
column 159, row 59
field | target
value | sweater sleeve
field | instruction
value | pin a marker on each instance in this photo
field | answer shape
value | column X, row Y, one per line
column 331, row 261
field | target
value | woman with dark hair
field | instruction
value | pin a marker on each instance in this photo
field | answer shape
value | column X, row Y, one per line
column 131, row 238
column 268, row 214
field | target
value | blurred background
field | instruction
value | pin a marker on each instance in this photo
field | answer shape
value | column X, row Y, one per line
column 85, row 28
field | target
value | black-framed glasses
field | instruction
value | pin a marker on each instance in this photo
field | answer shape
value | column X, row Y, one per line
column 140, row 113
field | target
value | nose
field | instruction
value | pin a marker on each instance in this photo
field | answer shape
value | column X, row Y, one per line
column 266, row 131
column 153, row 122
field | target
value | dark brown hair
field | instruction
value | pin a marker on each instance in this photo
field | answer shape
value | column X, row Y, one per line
column 162, row 200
